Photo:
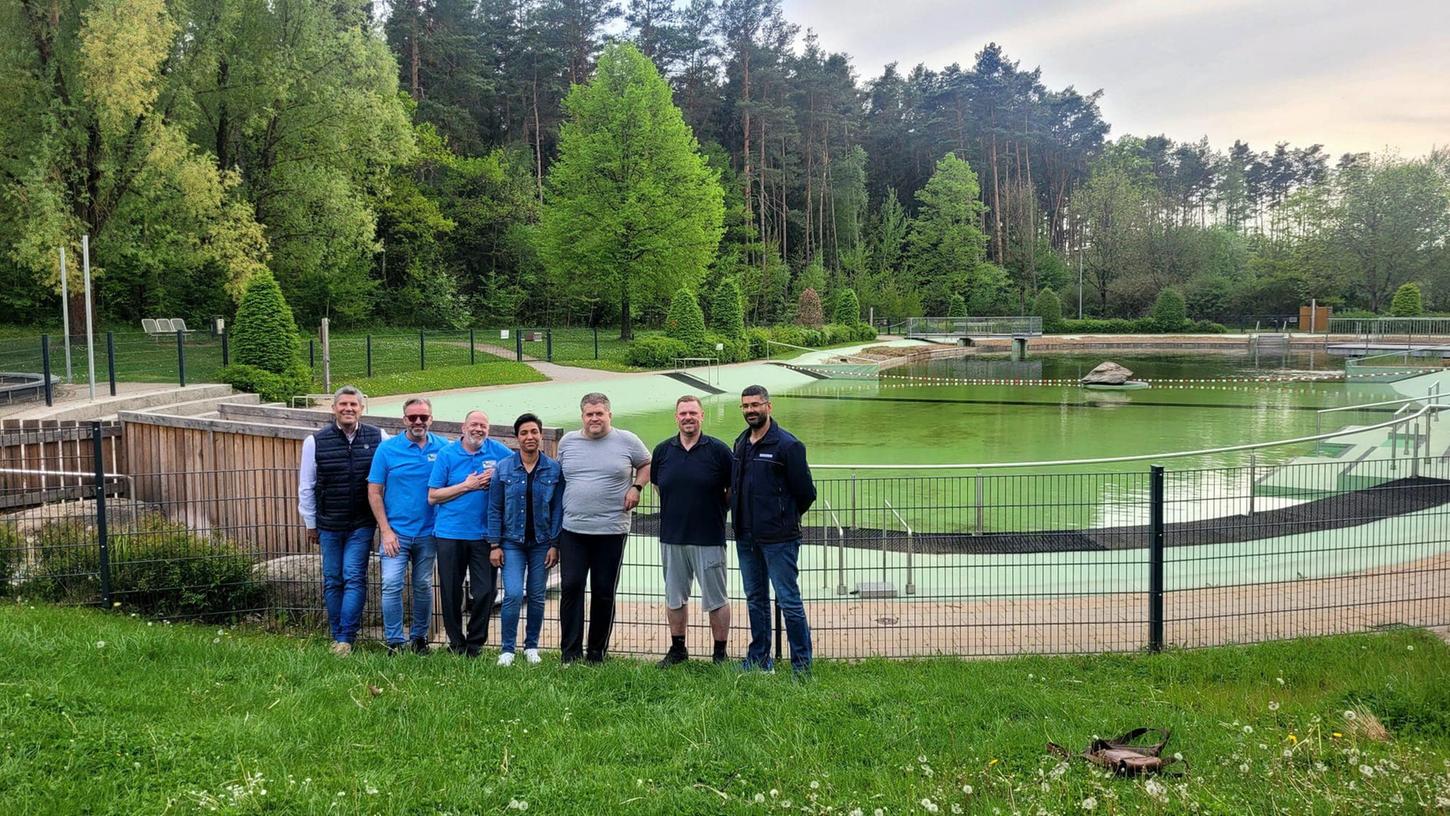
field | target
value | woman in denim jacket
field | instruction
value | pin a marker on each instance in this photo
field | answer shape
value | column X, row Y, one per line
column 523, row 531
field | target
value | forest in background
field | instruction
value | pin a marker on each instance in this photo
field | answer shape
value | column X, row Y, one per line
column 393, row 166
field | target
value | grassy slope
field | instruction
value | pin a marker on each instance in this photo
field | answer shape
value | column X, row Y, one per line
column 108, row 714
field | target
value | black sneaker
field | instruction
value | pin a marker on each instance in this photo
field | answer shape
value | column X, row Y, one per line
column 673, row 658
column 720, row 659
column 420, row 646
column 394, row 649
column 594, row 658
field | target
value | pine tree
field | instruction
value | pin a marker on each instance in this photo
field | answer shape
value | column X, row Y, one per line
column 264, row 334
column 686, row 322
column 1048, row 307
column 1407, row 301
column 726, row 311
column 848, row 308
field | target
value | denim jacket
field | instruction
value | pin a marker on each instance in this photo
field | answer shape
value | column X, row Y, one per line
column 506, row 519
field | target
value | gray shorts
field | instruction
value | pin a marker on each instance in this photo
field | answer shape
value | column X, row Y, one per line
column 683, row 564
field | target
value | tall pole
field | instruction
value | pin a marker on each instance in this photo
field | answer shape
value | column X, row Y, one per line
column 90, row 340
column 65, row 313
column 1079, row 279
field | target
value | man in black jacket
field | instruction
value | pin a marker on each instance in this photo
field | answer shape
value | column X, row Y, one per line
column 770, row 489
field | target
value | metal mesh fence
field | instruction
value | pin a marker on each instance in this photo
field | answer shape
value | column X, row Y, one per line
column 895, row 567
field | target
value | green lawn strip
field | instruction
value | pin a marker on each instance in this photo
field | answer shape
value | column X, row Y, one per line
column 108, row 714
column 441, row 379
column 602, row 365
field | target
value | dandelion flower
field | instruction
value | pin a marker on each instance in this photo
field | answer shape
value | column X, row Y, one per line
column 815, row 785
column 100, row 644
column 1336, row 735
column 1293, row 739
column 929, row 806
column 1366, row 771
column 1273, row 705
column 759, row 797
column 1248, row 729
column 1349, row 714
column 1088, row 803
column 774, row 793
column 967, row 789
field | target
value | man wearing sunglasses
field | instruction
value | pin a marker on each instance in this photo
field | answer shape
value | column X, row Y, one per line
column 398, row 495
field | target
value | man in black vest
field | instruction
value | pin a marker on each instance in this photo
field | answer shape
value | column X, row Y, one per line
column 332, row 495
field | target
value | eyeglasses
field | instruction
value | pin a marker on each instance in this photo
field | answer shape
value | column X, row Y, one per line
column 416, row 417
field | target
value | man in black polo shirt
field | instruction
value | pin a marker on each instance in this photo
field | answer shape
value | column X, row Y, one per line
column 691, row 472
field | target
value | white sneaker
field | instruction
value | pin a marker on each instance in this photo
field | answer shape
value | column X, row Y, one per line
column 532, row 655
column 506, row 659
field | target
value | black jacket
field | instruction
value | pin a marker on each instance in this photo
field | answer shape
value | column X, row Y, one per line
column 770, row 487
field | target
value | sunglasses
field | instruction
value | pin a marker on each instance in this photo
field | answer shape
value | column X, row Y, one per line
column 416, row 417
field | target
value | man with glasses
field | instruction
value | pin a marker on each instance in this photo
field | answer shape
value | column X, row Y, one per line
column 458, row 489
column 398, row 493
column 770, row 489
column 332, row 497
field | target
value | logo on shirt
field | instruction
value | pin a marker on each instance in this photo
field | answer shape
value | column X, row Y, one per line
column 767, row 456
column 432, row 457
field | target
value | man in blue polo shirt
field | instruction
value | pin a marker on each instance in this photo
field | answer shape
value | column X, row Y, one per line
column 458, row 490
column 691, row 472
column 398, row 495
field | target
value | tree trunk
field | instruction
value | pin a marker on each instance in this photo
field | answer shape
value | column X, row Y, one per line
column 626, row 328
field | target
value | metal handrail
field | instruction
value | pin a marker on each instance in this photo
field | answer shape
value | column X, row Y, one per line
column 910, row 549
column 840, row 551
column 1433, row 395
column 1143, row 457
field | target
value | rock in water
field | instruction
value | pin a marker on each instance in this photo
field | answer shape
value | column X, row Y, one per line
column 1109, row 373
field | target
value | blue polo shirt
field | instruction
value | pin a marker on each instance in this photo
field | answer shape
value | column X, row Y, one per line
column 402, row 468
column 465, row 517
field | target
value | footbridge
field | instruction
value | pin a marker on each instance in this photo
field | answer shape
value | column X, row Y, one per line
column 961, row 330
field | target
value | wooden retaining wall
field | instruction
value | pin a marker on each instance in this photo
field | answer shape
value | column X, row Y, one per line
column 237, row 475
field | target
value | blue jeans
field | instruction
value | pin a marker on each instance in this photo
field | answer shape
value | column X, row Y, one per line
column 518, row 561
column 761, row 566
column 419, row 553
column 345, row 578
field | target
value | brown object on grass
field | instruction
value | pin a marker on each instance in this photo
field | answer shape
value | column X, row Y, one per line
column 1121, row 755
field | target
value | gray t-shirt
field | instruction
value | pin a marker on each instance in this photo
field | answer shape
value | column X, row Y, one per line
column 597, row 474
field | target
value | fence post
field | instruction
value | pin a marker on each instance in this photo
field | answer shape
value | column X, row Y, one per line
column 226, row 346
column 181, row 359
column 326, row 355
column 549, row 345
column 981, row 507
column 779, row 631
column 1155, row 559
column 422, row 359
column 111, row 358
column 370, row 356
column 596, row 342
column 470, row 346
column 45, row 370
column 1253, row 478
column 518, row 345
column 102, row 538
column 311, row 354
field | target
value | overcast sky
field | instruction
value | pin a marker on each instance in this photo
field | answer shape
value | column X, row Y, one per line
column 1353, row 75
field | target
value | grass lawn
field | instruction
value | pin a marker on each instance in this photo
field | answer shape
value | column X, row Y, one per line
column 102, row 713
column 501, row 372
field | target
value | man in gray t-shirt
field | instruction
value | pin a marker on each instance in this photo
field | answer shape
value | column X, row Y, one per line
column 605, row 471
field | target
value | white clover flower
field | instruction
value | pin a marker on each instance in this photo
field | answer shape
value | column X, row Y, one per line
column 815, row 785
column 100, row 644
column 1244, row 767
column 929, row 806
column 878, row 812
column 1273, row 705
column 855, row 812
column 1366, row 771
column 774, row 793
column 1248, row 729
column 518, row 804
column 956, row 808
column 759, row 797
column 967, row 789
column 1088, row 803
column 1349, row 714
column 370, row 790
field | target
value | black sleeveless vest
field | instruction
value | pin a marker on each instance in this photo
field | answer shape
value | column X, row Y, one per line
column 342, row 477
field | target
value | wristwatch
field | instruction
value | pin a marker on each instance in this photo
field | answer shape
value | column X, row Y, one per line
column 638, row 487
